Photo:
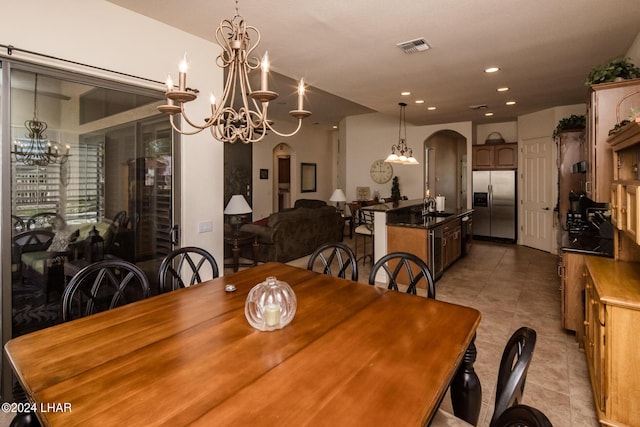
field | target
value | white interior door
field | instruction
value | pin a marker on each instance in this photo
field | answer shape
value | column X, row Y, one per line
column 536, row 218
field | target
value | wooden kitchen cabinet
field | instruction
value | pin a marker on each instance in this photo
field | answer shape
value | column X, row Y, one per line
column 602, row 117
column 612, row 308
column 451, row 242
column 572, row 284
column 625, row 188
column 495, row 156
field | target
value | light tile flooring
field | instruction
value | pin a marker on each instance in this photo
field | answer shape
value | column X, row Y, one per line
column 514, row 286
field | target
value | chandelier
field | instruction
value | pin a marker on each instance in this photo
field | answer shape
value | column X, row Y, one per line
column 400, row 153
column 36, row 149
column 249, row 122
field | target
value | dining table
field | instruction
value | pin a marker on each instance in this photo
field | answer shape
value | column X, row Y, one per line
column 353, row 354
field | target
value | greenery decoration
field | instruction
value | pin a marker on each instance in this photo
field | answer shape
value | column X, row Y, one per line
column 573, row 122
column 395, row 189
column 616, row 68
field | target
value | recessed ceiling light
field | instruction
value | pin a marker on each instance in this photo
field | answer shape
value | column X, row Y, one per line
column 491, row 70
column 335, row 126
column 510, row 102
column 431, row 108
column 502, row 89
column 488, row 114
column 419, row 101
column 405, row 93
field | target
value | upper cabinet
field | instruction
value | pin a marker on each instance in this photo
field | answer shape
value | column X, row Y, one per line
column 495, row 156
column 624, row 190
column 603, row 110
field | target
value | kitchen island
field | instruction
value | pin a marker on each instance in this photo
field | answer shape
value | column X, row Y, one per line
column 439, row 238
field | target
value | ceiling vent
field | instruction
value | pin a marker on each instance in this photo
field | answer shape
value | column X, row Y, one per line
column 413, row 46
column 479, row 107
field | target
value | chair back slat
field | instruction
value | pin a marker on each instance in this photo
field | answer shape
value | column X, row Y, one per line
column 101, row 286
column 403, row 268
column 332, row 255
column 512, row 373
column 188, row 262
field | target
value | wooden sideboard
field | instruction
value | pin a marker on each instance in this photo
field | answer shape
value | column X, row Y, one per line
column 612, row 293
column 612, row 311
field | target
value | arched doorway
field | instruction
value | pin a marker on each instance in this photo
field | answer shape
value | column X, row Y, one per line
column 283, row 159
column 445, row 152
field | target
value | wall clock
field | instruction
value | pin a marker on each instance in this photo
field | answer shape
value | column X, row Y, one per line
column 381, row 171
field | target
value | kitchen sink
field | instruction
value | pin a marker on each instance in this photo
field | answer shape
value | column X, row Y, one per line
column 439, row 214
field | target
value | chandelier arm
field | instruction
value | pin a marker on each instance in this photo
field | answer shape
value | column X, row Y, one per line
column 252, row 48
column 286, row 135
column 183, row 132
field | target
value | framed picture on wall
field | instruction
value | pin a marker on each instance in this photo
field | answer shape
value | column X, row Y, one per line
column 264, row 173
column 308, row 178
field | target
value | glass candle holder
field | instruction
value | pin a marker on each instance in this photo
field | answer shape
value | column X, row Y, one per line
column 270, row 305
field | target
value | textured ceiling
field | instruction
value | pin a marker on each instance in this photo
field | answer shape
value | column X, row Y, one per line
column 544, row 48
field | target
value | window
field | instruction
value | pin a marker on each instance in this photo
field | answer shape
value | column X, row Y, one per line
column 73, row 189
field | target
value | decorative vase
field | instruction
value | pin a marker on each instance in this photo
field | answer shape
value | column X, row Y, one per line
column 270, row 305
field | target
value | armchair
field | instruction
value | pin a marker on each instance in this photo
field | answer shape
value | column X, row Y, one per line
column 32, row 260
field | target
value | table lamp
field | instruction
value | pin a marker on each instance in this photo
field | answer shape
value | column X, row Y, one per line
column 338, row 196
column 237, row 207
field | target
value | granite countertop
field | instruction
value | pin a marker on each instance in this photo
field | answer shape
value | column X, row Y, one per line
column 408, row 213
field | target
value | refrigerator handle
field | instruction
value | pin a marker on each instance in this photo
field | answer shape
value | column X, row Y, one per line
column 490, row 194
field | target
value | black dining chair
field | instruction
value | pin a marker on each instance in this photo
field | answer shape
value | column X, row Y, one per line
column 102, row 286
column 405, row 269
column 185, row 267
column 512, row 373
column 333, row 258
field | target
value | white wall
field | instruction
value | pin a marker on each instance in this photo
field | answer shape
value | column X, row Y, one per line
column 309, row 145
column 508, row 130
column 369, row 137
column 634, row 51
column 101, row 34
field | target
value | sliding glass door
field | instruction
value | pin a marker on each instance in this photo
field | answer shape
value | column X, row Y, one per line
column 85, row 154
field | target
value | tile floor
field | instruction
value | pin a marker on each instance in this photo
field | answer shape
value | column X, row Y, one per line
column 514, row 286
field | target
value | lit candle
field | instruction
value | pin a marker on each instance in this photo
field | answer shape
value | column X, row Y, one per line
column 301, row 94
column 212, row 101
column 271, row 314
column 49, row 147
column 265, row 72
column 169, row 83
column 182, row 75
column 68, row 148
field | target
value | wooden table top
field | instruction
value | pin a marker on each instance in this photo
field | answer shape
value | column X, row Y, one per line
column 354, row 353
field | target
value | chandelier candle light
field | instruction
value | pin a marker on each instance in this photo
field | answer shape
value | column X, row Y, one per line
column 405, row 156
column 36, row 149
column 249, row 123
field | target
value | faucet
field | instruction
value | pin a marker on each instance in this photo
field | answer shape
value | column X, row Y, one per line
column 429, row 205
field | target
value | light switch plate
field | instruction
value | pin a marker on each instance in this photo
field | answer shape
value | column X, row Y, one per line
column 205, row 227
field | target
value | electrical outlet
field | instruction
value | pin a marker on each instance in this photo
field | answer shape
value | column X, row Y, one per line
column 205, row 227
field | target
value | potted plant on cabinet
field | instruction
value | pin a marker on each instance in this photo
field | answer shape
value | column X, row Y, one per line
column 614, row 70
column 573, row 123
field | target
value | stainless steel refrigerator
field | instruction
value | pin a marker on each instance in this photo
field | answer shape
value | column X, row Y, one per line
column 494, row 204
